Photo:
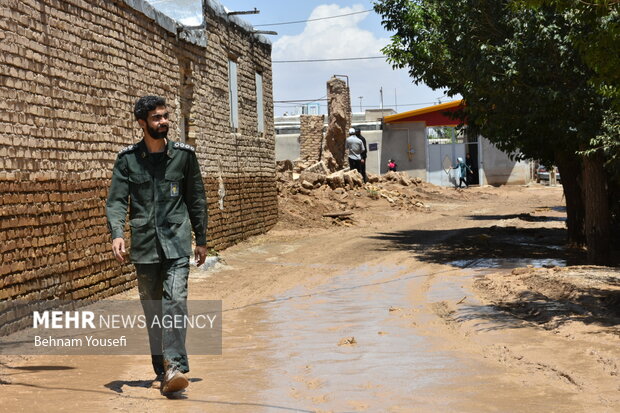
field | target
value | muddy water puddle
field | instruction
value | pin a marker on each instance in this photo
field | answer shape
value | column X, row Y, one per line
column 505, row 263
column 354, row 344
column 343, row 347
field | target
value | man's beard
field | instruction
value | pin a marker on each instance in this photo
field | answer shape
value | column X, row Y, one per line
column 155, row 134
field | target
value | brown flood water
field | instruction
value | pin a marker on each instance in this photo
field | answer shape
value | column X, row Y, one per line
column 292, row 360
column 283, row 355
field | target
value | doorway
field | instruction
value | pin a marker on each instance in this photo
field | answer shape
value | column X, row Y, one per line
column 445, row 144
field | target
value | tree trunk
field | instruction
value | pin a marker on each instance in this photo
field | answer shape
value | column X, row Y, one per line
column 570, row 173
column 598, row 219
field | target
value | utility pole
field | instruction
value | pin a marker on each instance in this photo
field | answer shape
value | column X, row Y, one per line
column 395, row 101
column 381, row 93
column 360, row 98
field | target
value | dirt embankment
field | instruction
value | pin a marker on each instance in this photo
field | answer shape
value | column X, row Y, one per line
column 574, row 302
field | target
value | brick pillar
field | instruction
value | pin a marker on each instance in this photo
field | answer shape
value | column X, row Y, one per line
column 311, row 137
column 339, row 122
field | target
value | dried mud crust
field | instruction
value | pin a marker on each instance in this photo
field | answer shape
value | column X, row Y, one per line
column 577, row 300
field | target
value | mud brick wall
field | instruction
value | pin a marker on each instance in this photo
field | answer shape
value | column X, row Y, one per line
column 311, row 137
column 240, row 165
column 70, row 73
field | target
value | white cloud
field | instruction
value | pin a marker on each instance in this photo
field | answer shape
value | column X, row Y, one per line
column 341, row 38
column 330, row 38
column 335, row 38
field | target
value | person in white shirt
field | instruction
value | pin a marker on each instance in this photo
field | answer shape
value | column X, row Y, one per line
column 356, row 147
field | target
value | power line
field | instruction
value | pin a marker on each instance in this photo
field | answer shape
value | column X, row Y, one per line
column 364, row 106
column 297, row 100
column 313, row 20
column 327, row 60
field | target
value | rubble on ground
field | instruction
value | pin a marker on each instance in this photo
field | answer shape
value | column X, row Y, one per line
column 309, row 195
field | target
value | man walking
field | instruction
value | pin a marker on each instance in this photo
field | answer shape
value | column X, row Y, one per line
column 358, row 133
column 160, row 181
column 355, row 147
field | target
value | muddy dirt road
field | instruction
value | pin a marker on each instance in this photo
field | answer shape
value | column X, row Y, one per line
column 404, row 311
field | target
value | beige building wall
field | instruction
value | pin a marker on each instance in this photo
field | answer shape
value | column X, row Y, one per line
column 71, row 72
column 406, row 144
column 496, row 166
column 499, row 169
column 288, row 147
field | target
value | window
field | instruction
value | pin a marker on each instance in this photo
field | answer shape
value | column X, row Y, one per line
column 260, row 119
column 187, row 128
column 233, row 95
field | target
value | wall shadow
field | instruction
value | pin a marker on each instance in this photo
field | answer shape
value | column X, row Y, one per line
column 523, row 217
column 448, row 245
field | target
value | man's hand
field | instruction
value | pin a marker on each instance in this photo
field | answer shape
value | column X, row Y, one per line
column 200, row 254
column 118, row 248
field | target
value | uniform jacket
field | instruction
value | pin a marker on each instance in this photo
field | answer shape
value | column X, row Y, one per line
column 165, row 204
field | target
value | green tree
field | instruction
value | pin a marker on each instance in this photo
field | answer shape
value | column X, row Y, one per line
column 600, row 49
column 599, row 46
column 527, row 88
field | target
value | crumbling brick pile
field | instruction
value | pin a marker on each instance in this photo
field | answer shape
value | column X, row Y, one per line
column 311, row 195
column 302, row 177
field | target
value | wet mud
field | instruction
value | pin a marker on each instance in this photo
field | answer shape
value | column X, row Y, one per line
column 390, row 315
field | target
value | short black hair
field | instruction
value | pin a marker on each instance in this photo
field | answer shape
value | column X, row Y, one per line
column 146, row 104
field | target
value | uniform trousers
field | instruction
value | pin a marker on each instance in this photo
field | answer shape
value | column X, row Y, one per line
column 163, row 293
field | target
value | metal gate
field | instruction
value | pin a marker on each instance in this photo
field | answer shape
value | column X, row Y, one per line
column 443, row 146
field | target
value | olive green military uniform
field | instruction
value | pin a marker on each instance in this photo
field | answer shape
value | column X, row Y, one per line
column 166, row 199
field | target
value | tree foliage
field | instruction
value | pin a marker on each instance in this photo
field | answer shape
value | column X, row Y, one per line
column 531, row 83
column 600, row 49
column 600, row 45
column 525, row 85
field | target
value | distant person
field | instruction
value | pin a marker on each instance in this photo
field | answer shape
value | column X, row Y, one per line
column 461, row 169
column 392, row 165
column 356, row 148
column 358, row 133
column 470, row 169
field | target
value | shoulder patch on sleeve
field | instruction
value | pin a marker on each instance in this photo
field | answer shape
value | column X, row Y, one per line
column 181, row 145
column 127, row 149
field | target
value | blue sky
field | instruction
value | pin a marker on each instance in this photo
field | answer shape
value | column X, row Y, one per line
column 358, row 35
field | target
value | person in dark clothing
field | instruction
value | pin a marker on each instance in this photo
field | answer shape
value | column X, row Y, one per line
column 470, row 169
column 160, row 183
column 358, row 133
column 461, row 169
